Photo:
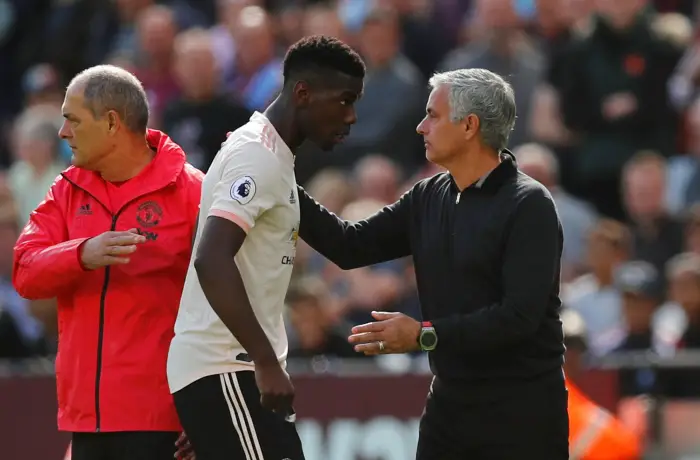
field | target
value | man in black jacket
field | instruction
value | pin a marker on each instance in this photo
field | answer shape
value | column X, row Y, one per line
column 486, row 243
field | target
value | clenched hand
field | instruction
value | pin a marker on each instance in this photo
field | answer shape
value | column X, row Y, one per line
column 276, row 389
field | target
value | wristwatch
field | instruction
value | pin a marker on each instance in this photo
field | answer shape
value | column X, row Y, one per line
column 427, row 339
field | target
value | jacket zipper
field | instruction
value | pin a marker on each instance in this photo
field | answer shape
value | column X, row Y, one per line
column 453, row 232
column 100, row 335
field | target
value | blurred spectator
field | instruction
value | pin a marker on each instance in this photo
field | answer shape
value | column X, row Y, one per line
column 449, row 13
column 323, row 19
column 683, row 273
column 394, row 97
column 423, row 43
column 314, row 326
column 577, row 217
column 290, row 18
column 377, row 178
column 333, row 189
column 684, row 171
column 684, row 278
column 21, row 335
column 224, row 46
column 692, row 230
column 657, row 236
column 642, row 293
column 156, row 28
column 593, row 295
column 42, row 86
column 574, row 328
column 37, row 151
column 684, row 83
column 199, row 120
column 258, row 71
column 559, row 22
column 113, row 30
column 614, row 96
column 123, row 62
column 502, row 47
column 556, row 24
column 113, row 26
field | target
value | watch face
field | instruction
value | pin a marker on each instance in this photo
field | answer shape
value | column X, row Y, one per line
column 428, row 339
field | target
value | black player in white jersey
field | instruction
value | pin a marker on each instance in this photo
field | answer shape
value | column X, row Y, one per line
column 226, row 366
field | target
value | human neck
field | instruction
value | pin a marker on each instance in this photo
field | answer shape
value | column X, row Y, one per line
column 282, row 117
column 469, row 167
column 126, row 161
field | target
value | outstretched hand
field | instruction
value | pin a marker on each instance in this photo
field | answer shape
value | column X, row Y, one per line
column 391, row 333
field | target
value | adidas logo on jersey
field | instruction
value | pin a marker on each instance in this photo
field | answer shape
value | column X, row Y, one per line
column 292, row 198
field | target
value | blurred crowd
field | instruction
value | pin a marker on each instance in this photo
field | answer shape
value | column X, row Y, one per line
column 608, row 120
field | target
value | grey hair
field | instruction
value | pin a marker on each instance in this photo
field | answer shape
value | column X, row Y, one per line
column 539, row 154
column 484, row 94
column 108, row 87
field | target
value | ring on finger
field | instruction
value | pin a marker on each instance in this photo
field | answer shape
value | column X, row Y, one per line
column 381, row 345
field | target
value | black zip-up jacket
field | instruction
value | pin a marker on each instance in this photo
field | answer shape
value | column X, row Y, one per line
column 487, row 263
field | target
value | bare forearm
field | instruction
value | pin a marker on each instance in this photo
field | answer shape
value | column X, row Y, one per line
column 222, row 285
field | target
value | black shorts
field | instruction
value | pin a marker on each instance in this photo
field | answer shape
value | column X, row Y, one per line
column 224, row 420
column 124, row 445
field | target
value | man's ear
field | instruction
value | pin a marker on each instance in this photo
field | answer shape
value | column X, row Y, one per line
column 471, row 124
column 301, row 92
column 113, row 121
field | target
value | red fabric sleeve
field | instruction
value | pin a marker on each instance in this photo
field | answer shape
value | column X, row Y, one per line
column 45, row 262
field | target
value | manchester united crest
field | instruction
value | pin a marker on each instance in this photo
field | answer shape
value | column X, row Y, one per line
column 149, row 214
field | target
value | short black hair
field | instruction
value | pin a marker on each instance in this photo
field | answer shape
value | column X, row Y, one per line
column 322, row 52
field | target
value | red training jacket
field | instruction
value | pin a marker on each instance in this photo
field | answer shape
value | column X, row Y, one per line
column 115, row 323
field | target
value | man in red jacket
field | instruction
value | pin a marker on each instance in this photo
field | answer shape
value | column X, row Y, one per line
column 112, row 242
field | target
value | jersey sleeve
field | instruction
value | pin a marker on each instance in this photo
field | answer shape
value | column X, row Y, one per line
column 250, row 178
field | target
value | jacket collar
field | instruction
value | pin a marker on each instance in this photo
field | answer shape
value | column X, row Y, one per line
column 163, row 171
column 494, row 179
column 506, row 170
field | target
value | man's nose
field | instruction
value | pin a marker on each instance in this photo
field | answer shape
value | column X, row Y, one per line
column 351, row 116
column 420, row 129
column 64, row 132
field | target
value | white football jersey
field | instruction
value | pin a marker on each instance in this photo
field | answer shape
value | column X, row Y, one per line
column 251, row 182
